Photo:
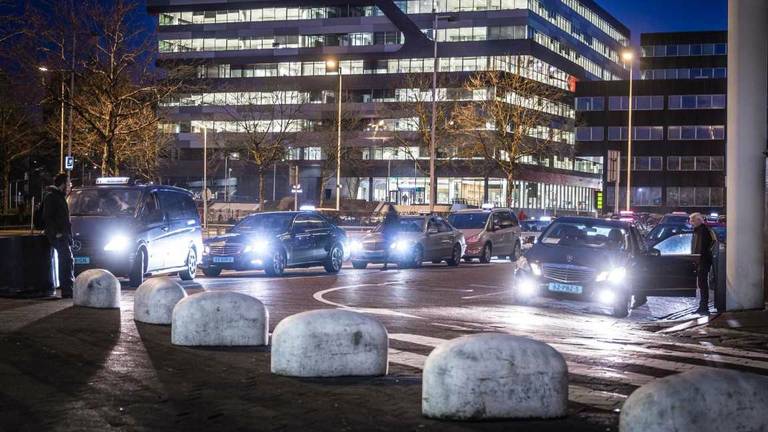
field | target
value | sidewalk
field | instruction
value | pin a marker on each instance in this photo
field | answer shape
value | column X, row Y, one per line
column 746, row 330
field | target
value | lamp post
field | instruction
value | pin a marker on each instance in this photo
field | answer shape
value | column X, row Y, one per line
column 628, row 56
column 432, row 146
column 204, row 189
column 330, row 66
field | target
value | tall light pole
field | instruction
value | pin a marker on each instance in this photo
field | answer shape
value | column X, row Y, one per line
column 628, row 56
column 44, row 70
column 204, row 190
column 332, row 65
column 433, row 126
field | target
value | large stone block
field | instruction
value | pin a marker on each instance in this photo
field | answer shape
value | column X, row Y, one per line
column 97, row 289
column 155, row 299
column 222, row 318
column 705, row 400
column 329, row 343
column 494, row 376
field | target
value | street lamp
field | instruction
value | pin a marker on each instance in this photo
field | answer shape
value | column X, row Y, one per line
column 628, row 56
column 44, row 69
column 432, row 150
column 204, row 189
column 331, row 66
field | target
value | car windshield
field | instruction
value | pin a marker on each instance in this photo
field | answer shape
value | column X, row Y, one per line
column 468, row 220
column 407, row 224
column 595, row 235
column 533, row 225
column 674, row 219
column 660, row 232
column 103, row 202
column 265, row 222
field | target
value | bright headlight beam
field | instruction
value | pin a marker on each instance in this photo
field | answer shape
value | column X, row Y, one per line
column 536, row 269
column 117, row 243
column 356, row 246
column 615, row 275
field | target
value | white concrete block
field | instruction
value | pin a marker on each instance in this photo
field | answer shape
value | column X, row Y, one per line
column 97, row 289
column 704, row 400
column 223, row 318
column 329, row 343
column 155, row 299
column 494, row 376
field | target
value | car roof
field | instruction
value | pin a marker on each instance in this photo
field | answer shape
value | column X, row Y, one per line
column 591, row 220
column 481, row 210
column 134, row 186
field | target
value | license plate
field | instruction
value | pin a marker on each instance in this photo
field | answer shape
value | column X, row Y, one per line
column 565, row 288
column 82, row 260
column 223, row 259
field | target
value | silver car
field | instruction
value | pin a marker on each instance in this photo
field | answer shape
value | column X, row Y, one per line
column 489, row 233
column 419, row 239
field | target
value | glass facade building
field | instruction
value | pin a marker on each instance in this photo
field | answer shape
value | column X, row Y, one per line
column 250, row 54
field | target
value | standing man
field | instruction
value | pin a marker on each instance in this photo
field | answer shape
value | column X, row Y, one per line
column 390, row 229
column 704, row 241
column 58, row 229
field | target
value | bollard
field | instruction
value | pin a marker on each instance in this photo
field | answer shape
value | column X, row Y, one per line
column 494, row 376
column 223, row 318
column 329, row 343
column 97, row 288
column 155, row 299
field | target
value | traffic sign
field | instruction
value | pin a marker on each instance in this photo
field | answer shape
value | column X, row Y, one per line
column 69, row 163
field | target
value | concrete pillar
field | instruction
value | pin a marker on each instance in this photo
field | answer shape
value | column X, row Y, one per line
column 747, row 90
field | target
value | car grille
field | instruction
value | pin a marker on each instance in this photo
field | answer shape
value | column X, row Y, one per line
column 373, row 246
column 227, row 249
column 568, row 273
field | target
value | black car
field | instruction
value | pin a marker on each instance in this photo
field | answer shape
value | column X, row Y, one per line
column 135, row 230
column 275, row 241
column 607, row 261
column 665, row 230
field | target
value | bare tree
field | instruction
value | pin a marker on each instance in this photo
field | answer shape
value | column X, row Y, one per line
column 510, row 123
column 266, row 123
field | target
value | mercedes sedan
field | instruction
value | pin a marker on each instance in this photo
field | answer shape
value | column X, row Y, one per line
column 276, row 241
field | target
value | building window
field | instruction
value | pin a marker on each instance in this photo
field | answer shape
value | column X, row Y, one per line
column 695, row 163
column 703, row 132
column 595, row 103
column 642, row 196
column 683, row 73
column 684, row 50
column 694, row 196
column 641, row 133
column 708, row 101
column 640, row 103
column 646, row 163
column 593, row 133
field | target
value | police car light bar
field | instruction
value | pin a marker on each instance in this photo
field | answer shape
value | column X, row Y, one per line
column 113, row 180
column 307, row 208
column 546, row 218
column 487, row 206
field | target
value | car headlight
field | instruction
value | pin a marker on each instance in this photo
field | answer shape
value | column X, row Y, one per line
column 257, row 246
column 401, row 245
column 355, row 246
column 536, row 269
column 117, row 243
column 206, row 250
column 615, row 275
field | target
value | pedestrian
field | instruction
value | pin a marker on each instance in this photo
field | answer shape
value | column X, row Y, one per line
column 389, row 230
column 58, row 229
column 704, row 241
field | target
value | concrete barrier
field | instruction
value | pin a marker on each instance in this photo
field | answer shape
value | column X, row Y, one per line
column 222, row 318
column 701, row 400
column 97, row 289
column 155, row 299
column 329, row 343
column 494, row 376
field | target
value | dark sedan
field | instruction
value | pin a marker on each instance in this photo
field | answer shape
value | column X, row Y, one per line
column 606, row 261
column 276, row 241
column 663, row 231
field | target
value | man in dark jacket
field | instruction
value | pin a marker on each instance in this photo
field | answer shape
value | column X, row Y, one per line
column 704, row 241
column 390, row 229
column 58, row 229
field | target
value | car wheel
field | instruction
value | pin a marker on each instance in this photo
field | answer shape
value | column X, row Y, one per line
column 360, row 265
column 455, row 258
column 517, row 252
column 275, row 264
column 212, row 271
column 335, row 259
column 467, row 260
column 136, row 276
column 622, row 306
column 485, row 255
column 189, row 273
column 415, row 260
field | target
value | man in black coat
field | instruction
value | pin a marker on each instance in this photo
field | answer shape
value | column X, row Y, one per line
column 704, row 241
column 58, row 229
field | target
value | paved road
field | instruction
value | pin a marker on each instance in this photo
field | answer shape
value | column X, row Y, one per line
column 76, row 369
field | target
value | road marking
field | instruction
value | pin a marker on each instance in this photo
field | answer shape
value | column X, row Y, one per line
column 378, row 311
column 485, row 286
column 453, row 327
column 485, row 295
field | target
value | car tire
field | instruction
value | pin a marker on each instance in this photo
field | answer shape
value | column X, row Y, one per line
column 467, row 260
column 485, row 254
column 436, row 261
column 335, row 259
column 622, row 306
column 517, row 252
column 275, row 264
column 212, row 271
column 138, row 270
column 359, row 265
column 189, row 273
column 455, row 258
column 415, row 260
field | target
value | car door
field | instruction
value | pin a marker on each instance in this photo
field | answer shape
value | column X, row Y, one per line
column 432, row 240
column 302, row 243
column 669, row 268
column 505, row 233
column 321, row 236
column 154, row 231
column 446, row 238
column 179, row 231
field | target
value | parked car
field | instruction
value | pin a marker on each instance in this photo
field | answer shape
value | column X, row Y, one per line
column 419, row 239
column 662, row 231
column 135, row 230
column 275, row 241
column 674, row 218
column 488, row 233
column 605, row 261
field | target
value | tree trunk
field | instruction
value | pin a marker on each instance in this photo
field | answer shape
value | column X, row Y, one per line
column 510, row 197
column 261, row 190
column 6, row 185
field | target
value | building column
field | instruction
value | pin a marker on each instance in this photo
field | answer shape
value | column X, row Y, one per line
column 746, row 144
column 485, row 190
column 370, row 189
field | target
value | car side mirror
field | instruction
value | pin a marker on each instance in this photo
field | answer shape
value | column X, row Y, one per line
column 432, row 230
column 654, row 252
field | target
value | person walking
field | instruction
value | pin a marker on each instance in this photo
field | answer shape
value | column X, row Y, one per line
column 389, row 231
column 704, row 241
column 58, row 229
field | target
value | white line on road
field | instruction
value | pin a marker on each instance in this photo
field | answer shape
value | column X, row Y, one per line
column 495, row 293
column 378, row 311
